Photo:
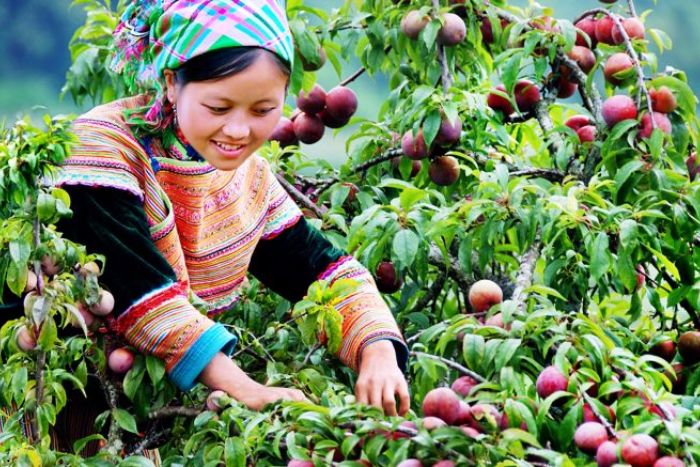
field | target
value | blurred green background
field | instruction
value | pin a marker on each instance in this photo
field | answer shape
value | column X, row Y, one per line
column 35, row 33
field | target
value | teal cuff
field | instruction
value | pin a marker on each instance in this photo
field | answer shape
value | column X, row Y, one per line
column 214, row 340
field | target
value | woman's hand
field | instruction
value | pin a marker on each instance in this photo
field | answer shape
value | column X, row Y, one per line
column 380, row 379
column 222, row 373
column 258, row 396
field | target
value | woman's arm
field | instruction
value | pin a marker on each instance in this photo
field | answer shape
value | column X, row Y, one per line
column 112, row 222
column 290, row 261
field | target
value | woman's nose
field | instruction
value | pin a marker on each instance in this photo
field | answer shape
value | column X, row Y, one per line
column 236, row 128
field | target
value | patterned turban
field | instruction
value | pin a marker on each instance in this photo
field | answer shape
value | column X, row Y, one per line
column 155, row 35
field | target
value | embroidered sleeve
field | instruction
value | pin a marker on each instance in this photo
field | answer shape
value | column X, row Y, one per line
column 282, row 211
column 166, row 325
column 366, row 317
column 291, row 261
column 152, row 310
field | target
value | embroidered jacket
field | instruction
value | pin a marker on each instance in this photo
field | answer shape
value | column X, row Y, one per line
column 176, row 230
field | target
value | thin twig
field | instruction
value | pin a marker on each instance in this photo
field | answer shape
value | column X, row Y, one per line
column 451, row 364
column 388, row 155
column 300, row 197
column 313, row 350
column 601, row 418
column 633, row 12
column 431, row 294
column 352, row 77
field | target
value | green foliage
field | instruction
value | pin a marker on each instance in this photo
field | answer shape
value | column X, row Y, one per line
column 593, row 243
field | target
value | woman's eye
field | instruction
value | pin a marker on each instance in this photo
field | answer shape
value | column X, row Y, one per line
column 264, row 111
column 217, row 110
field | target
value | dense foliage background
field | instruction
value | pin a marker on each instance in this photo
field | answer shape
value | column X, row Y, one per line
column 583, row 213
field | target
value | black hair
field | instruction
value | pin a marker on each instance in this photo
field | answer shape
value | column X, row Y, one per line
column 221, row 63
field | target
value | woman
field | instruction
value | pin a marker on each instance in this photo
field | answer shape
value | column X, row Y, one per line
column 168, row 187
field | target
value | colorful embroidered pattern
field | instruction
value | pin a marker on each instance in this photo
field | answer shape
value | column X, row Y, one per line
column 366, row 318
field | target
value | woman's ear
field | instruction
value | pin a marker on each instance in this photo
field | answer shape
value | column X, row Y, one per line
column 170, row 86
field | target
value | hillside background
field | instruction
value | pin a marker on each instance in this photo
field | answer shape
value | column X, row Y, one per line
column 35, row 33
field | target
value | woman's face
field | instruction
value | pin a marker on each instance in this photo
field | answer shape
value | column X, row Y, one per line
column 228, row 119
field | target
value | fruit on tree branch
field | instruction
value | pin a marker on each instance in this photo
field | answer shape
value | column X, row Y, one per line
column 341, row 103
column 313, row 102
column 308, row 65
column 526, row 95
column 689, row 347
column 661, row 122
column 499, row 102
column 603, row 30
column 444, row 170
column 585, row 36
column 442, row 403
column 120, row 360
column 483, row 294
column 215, row 400
column 413, row 23
column 606, row 455
column 632, row 26
column 413, row 146
column 583, row 56
column 284, row 133
column 618, row 108
column 617, row 68
column 589, row 436
column 104, row 305
column 26, row 339
column 386, row 277
column 308, row 128
column 449, row 132
column 551, row 380
column 663, row 100
column 453, row 30
column 463, row 385
column 640, row 450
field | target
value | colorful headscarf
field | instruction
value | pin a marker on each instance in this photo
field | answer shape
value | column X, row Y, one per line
column 155, row 35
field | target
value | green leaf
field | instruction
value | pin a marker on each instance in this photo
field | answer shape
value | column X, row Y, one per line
column 48, row 334
column 125, row 420
column 155, row 368
column 234, row 452
column 405, row 246
column 333, row 326
column 668, row 265
column 431, row 126
column 136, row 461
column 473, row 348
column 600, row 256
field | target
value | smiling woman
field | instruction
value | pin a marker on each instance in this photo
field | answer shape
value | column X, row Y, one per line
column 168, row 187
column 225, row 119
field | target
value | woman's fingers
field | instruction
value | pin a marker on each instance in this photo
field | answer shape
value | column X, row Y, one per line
column 389, row 402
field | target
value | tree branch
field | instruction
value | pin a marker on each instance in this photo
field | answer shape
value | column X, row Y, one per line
column 299, row 197
column 524, row 277
column 174, row 411
column 453, row 268
column 451, row 364
column 445, row 77
column 630, row 5
column 552, row 175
